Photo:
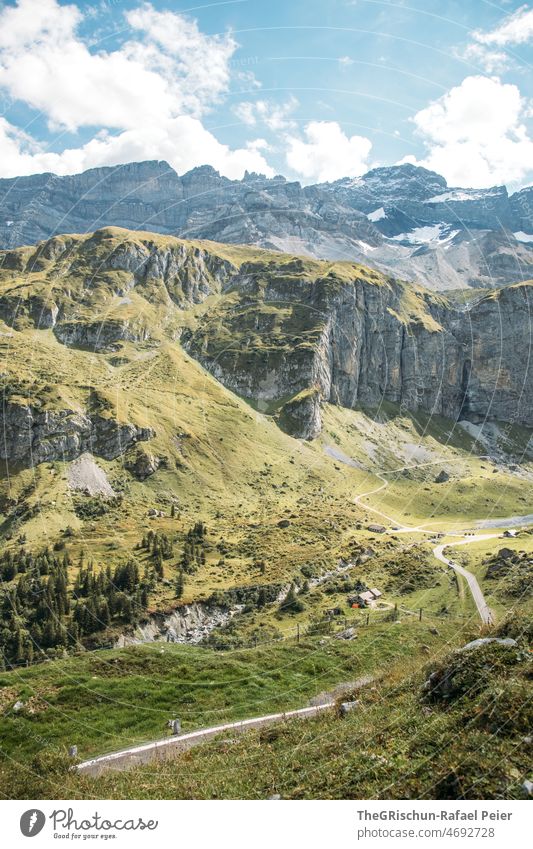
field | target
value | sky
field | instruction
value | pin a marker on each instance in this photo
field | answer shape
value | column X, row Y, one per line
column 315, row 90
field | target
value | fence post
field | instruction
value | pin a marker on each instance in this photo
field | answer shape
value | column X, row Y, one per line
column 297, row 632
column 420, row 615
column 367, row 618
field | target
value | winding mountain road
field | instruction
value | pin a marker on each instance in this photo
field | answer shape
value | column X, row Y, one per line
column 473, row 585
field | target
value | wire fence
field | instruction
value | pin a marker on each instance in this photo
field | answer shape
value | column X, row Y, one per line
column 332, row 625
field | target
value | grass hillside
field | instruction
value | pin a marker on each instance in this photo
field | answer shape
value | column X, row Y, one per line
column 273, row 505
column 462, row 736
column 88, row 699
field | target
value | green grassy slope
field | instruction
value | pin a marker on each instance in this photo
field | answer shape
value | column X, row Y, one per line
column 111, row 699
column 402, row 741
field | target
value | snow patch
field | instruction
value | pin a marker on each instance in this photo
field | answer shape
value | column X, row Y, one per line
column 436, row 234
column 458, row 195
column 520, row 236
column 377, row 215
column 365, row 248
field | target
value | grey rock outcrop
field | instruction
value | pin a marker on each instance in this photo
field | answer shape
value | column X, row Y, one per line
column 300, row 417
column 99, row 335
column 366, row 341
column 142, row 464
column 31, row 435
column 190, row 623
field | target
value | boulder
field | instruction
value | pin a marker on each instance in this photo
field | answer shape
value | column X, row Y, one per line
column 347, row 634
column 346, row 707
column 484, row 641
column 142, row 464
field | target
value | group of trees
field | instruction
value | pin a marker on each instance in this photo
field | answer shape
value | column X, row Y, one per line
column 194, row 548
column 109, row 595
column 159, row 546
column 35, row 609
column 41, row 615
column 193, row 555
column 44, row 613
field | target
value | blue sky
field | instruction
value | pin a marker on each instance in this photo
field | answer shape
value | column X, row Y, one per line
column 314, row 90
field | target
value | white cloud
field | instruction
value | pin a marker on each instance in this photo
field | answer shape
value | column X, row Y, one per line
column 475, row 134
column 515, row 29
column 151, row 90
column 247, row 81
column 183, row 142
column 171, row 68
column 492, row 61
column 275, row 116
column 328, row 153
column 345, row 61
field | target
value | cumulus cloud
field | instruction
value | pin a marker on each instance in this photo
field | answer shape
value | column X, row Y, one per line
column 183, row 142
column 172, row 67
column 327, row 153
column 152, row 90
column 475, row 134
column 488, row 47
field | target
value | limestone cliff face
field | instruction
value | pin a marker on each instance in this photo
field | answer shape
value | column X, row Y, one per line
column 283, row 331
column 497, row 341
column 31, row 436
column 370, row 353
column 289, row 341
column 354, row 342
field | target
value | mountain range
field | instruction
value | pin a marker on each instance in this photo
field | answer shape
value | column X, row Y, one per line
column 284, row 332
column 403, row 220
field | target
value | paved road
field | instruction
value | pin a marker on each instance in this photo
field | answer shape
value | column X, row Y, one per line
column 473, row 585
column 171, row 746
column 477, row 594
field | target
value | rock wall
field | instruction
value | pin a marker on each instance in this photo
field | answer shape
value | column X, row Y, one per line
column 363, row 343
column 31, row 436
column 497, row 341
column 190, row 623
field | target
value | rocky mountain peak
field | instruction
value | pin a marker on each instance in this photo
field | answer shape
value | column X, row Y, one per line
column 403, row 181
column 402, row 219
